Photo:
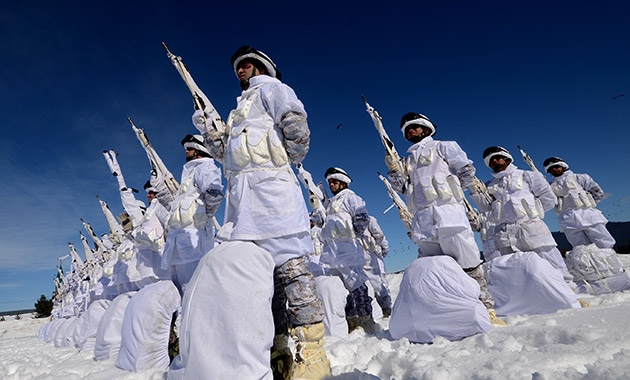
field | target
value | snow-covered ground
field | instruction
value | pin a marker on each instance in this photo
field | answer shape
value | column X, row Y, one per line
column 590, row 343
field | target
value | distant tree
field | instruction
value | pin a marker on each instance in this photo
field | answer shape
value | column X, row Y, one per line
column 43, row 307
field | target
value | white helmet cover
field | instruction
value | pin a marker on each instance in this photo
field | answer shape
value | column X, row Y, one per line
column 495, row 151
column 555, row 161
column 338, row 174
column 245, row 52
column 195, row 142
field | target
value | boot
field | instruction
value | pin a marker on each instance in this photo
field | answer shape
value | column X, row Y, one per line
column 353, row 323
column 281, row 358
column 364, row 322
column 387, row 312
column 494, row 320
column 311, row 361
column 583, row 303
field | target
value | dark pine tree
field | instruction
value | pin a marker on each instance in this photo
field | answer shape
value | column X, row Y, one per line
column 43, row 307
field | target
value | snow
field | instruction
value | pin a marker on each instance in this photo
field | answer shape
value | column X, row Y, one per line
column 589, row 343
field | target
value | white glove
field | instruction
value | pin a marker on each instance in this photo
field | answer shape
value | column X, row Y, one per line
column 199, row 121
column 478, row 187
column 392, row 164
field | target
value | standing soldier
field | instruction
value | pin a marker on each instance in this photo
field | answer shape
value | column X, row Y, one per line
column 343, row 254
column 376, row 249
column 149, row 238
column 520, row 199
column 265, row 134
column 190, row 231
column 578, row 195
column 436, row 174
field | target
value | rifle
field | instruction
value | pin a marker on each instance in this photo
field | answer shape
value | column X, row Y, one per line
column 89, row 254
column 60, row 274
column 157, row 165
column 158, row 169
column 112, row 163
column 479, row 187
column 135, row 208
column 528, row 159
column 115, row 228
column 75, row 258
column 390, row 150
column 200, row 100
column 316, row 195
column 97, row 241
column 403, row 211
column 473, row 215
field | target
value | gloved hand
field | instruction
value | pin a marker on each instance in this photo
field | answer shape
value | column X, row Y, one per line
column 477, row 187
column 392, row 164
column 212, row 198
column 296, row 136
column 199, row 120
column 481, row 195
column 466, row 175
column 475, row 223
column 314, row 201
column 318, row 217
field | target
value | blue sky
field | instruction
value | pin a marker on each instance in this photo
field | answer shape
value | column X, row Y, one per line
column 537, row 74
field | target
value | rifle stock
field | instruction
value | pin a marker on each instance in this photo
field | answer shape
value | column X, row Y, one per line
column 473, row 215
column 314, row 191
column 115, row 229
column 75, row 256
column 89, row 253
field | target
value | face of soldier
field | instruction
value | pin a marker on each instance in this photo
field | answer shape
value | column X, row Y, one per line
column 245, row 71
column 336, row 185
column 556, row 170
column 416, row 132
column 499, row 163
column 191, row 154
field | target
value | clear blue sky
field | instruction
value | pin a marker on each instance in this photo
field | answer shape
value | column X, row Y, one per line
column 537, row 74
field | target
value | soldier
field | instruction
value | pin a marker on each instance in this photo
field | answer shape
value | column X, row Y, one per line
column 433, row 183
column 520, row 199
column 578, row 194
column 190, row 230
column 266, row 133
